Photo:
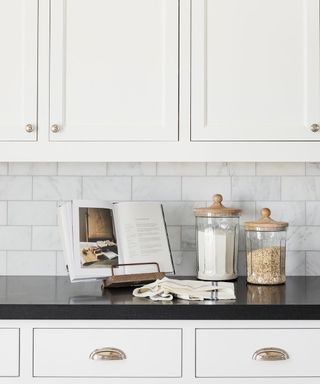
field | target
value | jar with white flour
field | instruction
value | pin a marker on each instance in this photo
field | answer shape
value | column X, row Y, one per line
column 217, row 229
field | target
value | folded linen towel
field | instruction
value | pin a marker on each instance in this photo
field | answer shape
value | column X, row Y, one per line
column 165, row 289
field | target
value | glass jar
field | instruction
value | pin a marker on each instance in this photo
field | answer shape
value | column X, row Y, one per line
column 217, row 233
column 266, row 250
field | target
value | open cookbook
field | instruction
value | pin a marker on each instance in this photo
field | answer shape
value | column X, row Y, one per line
column 97, row 235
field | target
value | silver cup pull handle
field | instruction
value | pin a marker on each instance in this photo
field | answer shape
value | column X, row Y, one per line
column 270, row 354
column 107, row 353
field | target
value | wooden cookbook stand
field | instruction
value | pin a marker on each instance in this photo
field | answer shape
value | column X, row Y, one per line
column 132, row 279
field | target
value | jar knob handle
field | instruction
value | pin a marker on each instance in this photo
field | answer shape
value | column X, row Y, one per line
column 217, row 199
column 265, row 212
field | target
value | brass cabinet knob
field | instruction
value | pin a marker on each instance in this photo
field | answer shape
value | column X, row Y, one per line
column 29, row 128
column 107, row 353
column 270, row 354
column 315, row 127
column 55, row 128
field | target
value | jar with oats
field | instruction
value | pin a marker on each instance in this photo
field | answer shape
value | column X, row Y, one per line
column 266, row 250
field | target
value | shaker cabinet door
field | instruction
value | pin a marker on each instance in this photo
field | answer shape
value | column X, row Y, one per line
column 18, row 70
column 255, row 70
column 114, row 70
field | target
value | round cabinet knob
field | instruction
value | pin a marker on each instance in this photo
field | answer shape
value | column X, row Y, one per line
column 55, row 128
column 315, row 127
column 29, row 128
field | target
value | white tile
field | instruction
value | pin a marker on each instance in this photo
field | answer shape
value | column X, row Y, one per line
column 255, row 188
column 15, row 188
column 313, row 169
column 313, row 263
column 300, row 188
column 174, row 234
column 242, row 239
column 247, row 209
column 181, row 169
column 242, row 169
column 3, row 168
column 25, row 168
column 218, row 169
column 156, row 188
column 188, row 238
column 279, row 169
column 231, row 169
column 82, row 169
column 296, row 263
column 203, row 188
column 132, row 169
column 313, row 212
column 3, row 262
column 46, row 238
column 15, row 238
column 185, row 263
column 292, row 212
column 32, row 213
column 31, row 263
column 107, row 188
column 303, row 238
column 3, row 213
column 61, row 264
column 56, row 188
column 242, row 263
column 180, row 213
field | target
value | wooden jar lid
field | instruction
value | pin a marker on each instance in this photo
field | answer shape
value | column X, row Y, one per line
column 265, row 223
column 217, row 209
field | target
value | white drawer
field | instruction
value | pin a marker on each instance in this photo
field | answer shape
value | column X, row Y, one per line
column 229, row 352
column 9, row 352
column 149, row 352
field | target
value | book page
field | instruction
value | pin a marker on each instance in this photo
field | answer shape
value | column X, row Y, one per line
column 142, row 236
column 95, row 249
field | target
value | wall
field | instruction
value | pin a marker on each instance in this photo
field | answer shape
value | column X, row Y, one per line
column 29, row 194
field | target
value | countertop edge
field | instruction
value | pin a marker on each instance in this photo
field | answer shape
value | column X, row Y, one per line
column 155, row 312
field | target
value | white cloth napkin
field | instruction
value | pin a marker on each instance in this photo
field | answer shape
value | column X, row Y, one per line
column 165, row 289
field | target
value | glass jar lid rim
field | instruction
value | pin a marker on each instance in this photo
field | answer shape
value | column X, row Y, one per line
column 217, row 209
column 265, row 223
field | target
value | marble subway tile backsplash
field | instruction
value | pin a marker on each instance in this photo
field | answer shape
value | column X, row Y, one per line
column 30, row 192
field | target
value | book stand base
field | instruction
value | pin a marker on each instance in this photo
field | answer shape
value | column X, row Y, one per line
column 132, row 279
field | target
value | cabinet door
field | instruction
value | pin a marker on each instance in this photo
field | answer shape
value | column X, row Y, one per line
column 255, row 70
column 18, row 70
column 114, row 70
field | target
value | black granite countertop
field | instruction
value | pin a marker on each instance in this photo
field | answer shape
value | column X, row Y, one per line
column 39, row 297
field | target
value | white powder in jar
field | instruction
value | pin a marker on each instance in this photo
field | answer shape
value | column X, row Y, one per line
column 216, row 249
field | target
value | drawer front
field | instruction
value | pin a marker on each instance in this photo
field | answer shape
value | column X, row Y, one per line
column 230, row 352
column 149, row 352
column 9, row 352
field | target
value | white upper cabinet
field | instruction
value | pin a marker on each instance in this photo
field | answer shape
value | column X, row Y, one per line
column 18, row 70
column 255, row 70
column 114, row 70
